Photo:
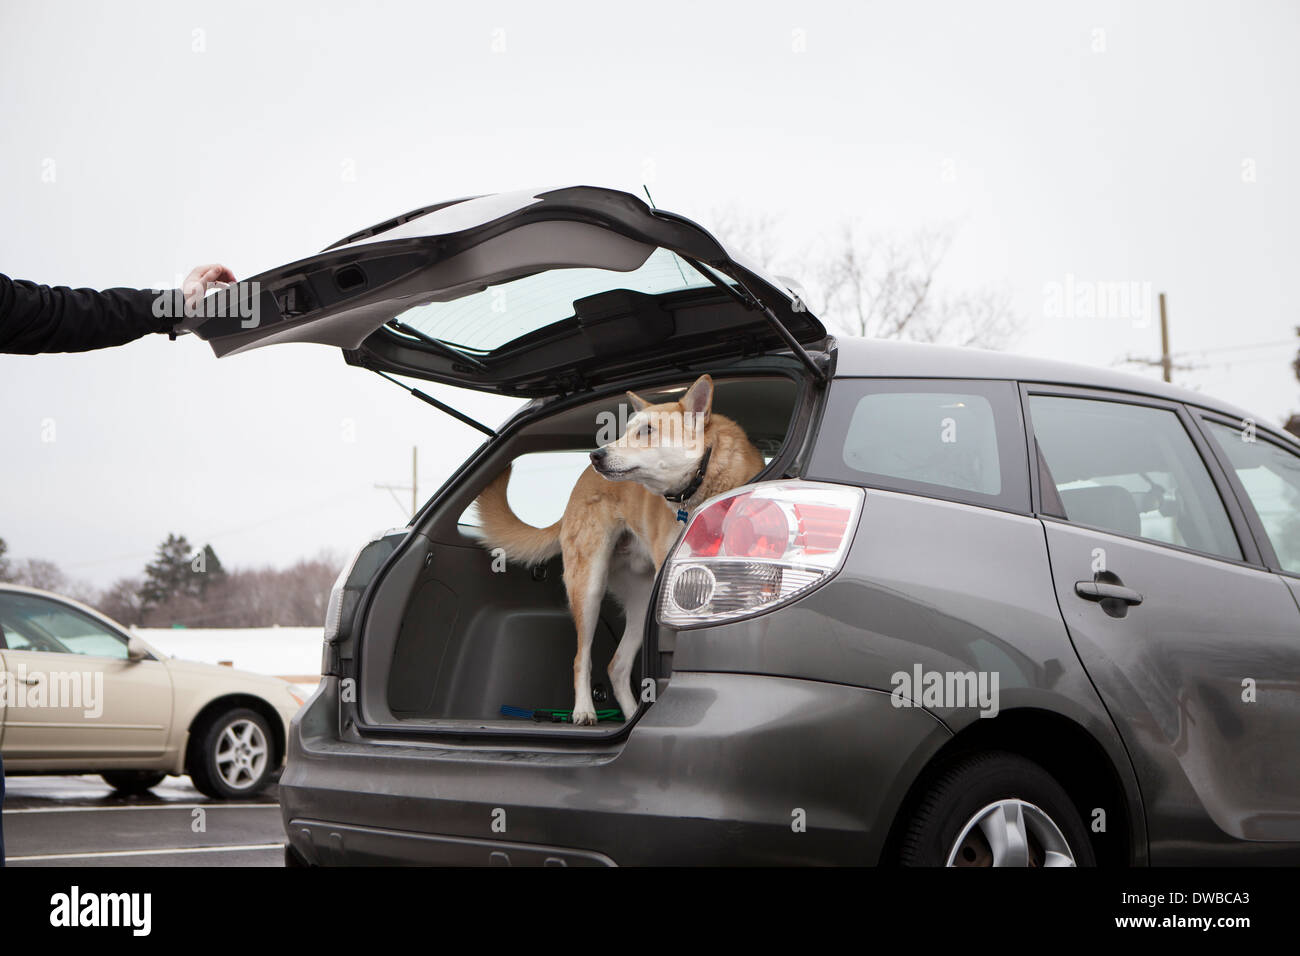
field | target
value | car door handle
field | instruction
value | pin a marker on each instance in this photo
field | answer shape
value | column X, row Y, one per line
column 1105, row 591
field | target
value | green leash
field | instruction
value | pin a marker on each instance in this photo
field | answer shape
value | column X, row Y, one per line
column 544, row 715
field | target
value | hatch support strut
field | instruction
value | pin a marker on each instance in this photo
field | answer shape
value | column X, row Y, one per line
column 441, row 406
column 750, row 301
column 819, row 373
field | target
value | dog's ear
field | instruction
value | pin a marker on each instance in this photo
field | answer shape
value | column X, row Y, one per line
column 637, row 401
column 699, row 398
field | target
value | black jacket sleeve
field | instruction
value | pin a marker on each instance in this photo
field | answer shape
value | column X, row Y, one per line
column 41, row 318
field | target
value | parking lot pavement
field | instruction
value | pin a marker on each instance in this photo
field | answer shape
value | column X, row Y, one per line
column 80, row 822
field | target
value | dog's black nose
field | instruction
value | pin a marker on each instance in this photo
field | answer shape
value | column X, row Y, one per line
column 598, row 455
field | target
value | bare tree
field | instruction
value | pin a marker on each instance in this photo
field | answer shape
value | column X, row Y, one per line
column 122, row 601
column 39, row 573
column 253, row 597
column 79, row 589
column 878, row 287
column 754, row 235
column 888, row 289
column 46, row 575
column 246, row 597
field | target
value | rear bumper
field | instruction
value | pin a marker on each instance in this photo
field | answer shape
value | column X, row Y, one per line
column 722, row 769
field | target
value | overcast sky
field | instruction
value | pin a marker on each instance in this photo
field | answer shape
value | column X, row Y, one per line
column 1151, row 143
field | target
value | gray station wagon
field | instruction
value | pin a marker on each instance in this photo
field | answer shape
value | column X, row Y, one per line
column 977, row 610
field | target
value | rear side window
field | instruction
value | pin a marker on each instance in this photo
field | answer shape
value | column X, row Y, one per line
column 958, row 440
column 1130, row 469
column 1270, row 476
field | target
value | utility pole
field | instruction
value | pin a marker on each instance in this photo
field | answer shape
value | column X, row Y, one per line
column 413, row 487
column 1166, row 360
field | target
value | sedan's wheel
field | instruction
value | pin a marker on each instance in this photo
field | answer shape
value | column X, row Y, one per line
column 242, row 754
column 995, row 809
column 132, row 782
column 234, row 756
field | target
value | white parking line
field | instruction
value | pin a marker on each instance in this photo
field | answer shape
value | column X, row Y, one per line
column 169, row 852
column 160, row 806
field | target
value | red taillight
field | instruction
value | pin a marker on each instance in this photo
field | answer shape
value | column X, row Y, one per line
column 743, row 526
column 755, row 528
column 821, row 527
column 757, row 548
column 704, row 536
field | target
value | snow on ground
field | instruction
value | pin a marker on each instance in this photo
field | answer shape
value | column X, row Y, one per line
column 278, row 651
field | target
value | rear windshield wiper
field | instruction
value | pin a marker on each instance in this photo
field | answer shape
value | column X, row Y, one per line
column 448, row 350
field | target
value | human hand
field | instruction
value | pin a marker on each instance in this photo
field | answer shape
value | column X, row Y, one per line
column 201, row 279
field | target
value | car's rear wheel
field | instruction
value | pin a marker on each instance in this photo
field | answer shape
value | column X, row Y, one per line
column 234, row 756
column 995, row 809
column 130, row 782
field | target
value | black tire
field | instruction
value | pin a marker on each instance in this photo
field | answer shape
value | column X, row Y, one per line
column 210, row 768
column 293, row 859
column 971, row 784
column 133, row 782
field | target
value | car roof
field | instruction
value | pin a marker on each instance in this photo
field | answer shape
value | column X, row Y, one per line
column 888, row 358
column 39, row 592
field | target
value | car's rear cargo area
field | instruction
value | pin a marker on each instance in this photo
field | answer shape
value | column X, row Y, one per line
column 477, row 634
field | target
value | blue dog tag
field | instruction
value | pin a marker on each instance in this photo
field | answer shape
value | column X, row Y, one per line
column 682, row 515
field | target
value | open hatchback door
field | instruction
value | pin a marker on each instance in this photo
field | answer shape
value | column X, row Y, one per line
column 527, row 293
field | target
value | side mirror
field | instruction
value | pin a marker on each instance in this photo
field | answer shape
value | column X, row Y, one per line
column 136, row 650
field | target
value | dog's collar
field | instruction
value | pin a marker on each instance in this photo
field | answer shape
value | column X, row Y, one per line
column 695, row 482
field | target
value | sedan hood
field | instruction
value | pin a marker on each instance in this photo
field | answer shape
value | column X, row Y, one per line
column 220, row 671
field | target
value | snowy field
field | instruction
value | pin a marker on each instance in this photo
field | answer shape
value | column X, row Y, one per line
column 279, row 651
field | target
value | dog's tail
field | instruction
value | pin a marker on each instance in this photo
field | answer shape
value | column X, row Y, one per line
column 502, row 528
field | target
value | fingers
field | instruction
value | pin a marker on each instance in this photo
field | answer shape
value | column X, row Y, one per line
column 202, row 278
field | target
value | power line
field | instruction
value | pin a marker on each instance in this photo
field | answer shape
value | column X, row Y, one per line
column 413, row 487
column 1246, row 361
column 228, row 532
column 1291, row 343
column 1166, row 360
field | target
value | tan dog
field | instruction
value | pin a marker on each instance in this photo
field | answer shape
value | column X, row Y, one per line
column 622, row 517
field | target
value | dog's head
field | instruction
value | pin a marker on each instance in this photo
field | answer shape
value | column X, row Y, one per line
column 662, row 445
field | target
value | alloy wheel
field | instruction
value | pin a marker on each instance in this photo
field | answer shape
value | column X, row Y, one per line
column 1010, row 833
column 241, row 754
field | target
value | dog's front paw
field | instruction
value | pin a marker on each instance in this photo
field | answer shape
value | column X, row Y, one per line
column 584, row 718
